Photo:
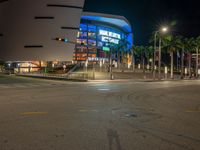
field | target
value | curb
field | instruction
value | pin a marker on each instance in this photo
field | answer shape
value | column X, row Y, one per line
column 53, row 78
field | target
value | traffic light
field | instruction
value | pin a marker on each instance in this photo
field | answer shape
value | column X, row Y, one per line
column 61, row 39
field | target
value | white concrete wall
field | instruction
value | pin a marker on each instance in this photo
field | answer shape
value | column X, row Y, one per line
column 19, row 28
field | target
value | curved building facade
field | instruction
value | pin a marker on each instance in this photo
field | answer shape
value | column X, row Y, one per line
column 28, row 29
column 99, row 33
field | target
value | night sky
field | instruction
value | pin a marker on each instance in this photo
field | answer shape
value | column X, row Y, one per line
column 146, row 15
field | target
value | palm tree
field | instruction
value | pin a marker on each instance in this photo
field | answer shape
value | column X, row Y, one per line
column 149, row 54
column 140, row 52
column 2, row 64
column 197, row 44
column 171, row 43
column 133, row 51
column 190, row 48
column 122, row 48
column 183, row 46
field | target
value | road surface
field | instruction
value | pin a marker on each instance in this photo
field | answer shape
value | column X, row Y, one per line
column 38, row 114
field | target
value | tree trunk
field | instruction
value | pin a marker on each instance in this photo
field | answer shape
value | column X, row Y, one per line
column 197, row 62
column 189, row 65
column 182, row 63
column 172, row 64
column 143, row 66
column 133, row 61
column 122, row 67
column 110, row 65
column 118, row 59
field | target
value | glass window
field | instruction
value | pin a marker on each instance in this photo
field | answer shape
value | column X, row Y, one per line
column 81, row 49
column 92, row 50
column 91, row 35
column 83, row 27
column 82, row 34
column 91, row 28
column 81, row 41
column 100, row 44
column 91, row 42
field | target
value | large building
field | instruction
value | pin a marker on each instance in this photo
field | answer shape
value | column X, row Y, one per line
column 36, row 32
column 28, row 29
column 99, row 33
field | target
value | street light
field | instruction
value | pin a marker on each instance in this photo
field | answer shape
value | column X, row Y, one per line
column 18, row 66
column 162, row 30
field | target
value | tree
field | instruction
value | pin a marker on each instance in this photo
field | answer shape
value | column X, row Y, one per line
column 140, row 53
column 133, row 51
column 190, row 48
column 2, row 64
column 197, row 45
column 183, row 45
column 122, row 48
column 149, row 54
column 171, row 43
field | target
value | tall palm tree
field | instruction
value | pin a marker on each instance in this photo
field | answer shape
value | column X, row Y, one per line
column 183, row 45
column 140, row 52
column 149, row 54
column 171, row 43
column 190, row 48
column 122, row 49
column 133, row 51
column 197, row 45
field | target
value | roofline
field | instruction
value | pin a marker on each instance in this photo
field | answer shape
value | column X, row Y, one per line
column 85, row 13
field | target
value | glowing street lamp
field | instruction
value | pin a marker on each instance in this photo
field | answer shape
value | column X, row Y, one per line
column 18, row 66
column 162, row 30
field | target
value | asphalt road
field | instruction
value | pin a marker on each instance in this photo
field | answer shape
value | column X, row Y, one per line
column 119, row 115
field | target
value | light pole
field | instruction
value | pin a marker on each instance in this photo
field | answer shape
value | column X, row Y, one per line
column 18, row 65
column 9, row 65
column 162, row 30
column 154, row 59
column 159, row 60
column 110, row 64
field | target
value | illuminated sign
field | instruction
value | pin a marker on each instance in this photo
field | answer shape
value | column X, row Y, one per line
column 109, row 34
column 97, row 59
column 106, row 49
column 110, row 40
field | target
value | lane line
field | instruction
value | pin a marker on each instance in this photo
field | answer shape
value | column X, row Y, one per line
column 33, row 113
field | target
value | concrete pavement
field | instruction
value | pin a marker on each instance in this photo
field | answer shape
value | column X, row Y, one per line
column 119, row 115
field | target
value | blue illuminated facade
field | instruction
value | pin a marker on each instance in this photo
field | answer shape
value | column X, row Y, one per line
column 97, row 34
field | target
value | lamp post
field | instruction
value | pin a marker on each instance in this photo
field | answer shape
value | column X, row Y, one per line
column 162, row 30
column 154, row 59
column 110, row 59
column 9, row 65
column 159, row 60
column 110, row 64
column 18, row 65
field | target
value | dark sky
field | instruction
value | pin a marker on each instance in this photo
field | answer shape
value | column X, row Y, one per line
column 146, row 15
